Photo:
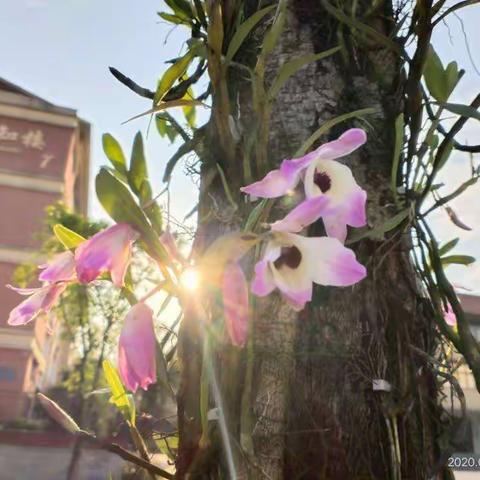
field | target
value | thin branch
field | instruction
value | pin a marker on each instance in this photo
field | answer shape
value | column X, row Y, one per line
column 440, row 129
column 451, row 196
column 174, row 93
column 128, row 456
column 129, row 83
column 454, row 8
column 457, row 126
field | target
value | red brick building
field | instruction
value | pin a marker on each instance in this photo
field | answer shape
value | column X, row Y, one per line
column 44, row 157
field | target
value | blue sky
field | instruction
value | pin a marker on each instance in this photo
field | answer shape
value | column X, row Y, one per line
column 61, row 50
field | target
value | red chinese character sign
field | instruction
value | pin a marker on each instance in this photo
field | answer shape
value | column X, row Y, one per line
column 34, row 148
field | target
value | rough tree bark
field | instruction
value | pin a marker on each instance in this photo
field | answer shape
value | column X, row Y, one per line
column 316, row 413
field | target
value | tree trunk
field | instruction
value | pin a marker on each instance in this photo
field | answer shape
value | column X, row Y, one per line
column 337, row 391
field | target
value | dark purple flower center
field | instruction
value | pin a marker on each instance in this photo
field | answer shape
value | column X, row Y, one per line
column 322, row 181
column 289, row 256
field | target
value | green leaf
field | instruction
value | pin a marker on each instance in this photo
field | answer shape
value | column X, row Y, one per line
column 243, row 30
column 172, row 74
column 168, row 446
column 119, row 203
column 150, row 206
column 435, row 76
column 355, row 24
column 399, row 131
column 379, row 232
column 181, row 8
column 165, row 105
column 190, row 111
column 275, row 30
column 328, row 125
column 445, row 156
column 450, row 245
column 58, row 414
column 138, row 165
column 291, row 68
column 120, row 398
column 458, row 259
column 68, row 238
column 114, row 153
column 175, row 19
column 462, row 110
column 255, row 215
column 164, row 128
column 452, row 76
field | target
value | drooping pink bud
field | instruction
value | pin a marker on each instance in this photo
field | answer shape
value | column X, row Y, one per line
column 235, row 303
column 136, row 348
column 109, row 250
column 449, row 316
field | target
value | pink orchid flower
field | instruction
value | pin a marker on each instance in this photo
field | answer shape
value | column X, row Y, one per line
column 60, row 269
column 109, row 250
column 235, row 303
column 322, row 176
column 136, row 349
column 40, row 300
column 292, row 263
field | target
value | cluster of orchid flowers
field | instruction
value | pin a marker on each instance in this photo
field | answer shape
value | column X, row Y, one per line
column 107, row 251
column 291, row 262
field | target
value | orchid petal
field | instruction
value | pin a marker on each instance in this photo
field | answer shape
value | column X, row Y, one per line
column 108, row 250
column 336, row 227
column 61, row 268
column 263, row 284
column 40, row 301
column 277, row 182
column 136, row 348
column 330, row 262
column 294, row 284
column 348, row 142
column 303, row 215
column 235, row 303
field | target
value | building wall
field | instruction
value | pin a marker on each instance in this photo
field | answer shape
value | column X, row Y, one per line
column 44, row 154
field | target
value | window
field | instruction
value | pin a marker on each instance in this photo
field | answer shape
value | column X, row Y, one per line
column 7, row 374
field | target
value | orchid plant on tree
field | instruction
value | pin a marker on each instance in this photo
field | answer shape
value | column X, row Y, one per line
column 290, row 262
column 264, row 224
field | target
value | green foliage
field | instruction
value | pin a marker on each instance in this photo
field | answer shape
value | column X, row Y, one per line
column 114, row 153
column 243, row 30
column 120, row 398
column 173, row 73
column 450, row 245
column 462, row 110
column 68, row 238
column 440, row 82
column 165, row 128
column 137, row 172
column 458, row 259
column 292, row 67
column 120, row 204
column 378, row 233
